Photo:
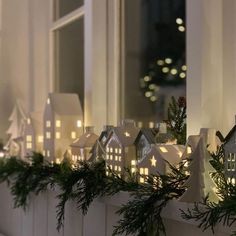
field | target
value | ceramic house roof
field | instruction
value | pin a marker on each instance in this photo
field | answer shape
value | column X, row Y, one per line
column 86, row 140
column 65, row 104
column 230, row 134
column 125, row 134
column 169, row 152
column 149, row 133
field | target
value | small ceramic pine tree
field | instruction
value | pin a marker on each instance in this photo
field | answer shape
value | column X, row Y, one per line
column 200, row 184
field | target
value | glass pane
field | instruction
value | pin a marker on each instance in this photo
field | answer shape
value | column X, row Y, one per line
column 63, row 7
column 154, row 55
column 69, row 61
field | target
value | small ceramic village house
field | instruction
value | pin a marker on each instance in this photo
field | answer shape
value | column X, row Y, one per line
column 157, row 158
column 230, row 155
column 98, row 149
column 33, row 134
column 81, row 147
column 119, row 146
column 62, row 124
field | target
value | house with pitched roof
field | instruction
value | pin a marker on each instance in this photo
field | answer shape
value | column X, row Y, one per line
column 81, row 147
column 62, row 124
column 230, row 155
column 157, row 158
column 119, row 146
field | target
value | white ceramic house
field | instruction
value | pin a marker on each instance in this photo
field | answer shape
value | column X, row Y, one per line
column 81, row 147
column 119, row 146
column 144, row 141
column 155, row 160
column 230, row 155
column 99, row 150
column 62, row 124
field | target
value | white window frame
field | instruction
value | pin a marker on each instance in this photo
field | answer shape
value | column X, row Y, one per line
column 54, row 26
column 102, row 53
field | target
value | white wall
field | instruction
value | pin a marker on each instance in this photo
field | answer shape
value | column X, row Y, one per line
column 40, row 218
column 24, row 67
column 211, row 84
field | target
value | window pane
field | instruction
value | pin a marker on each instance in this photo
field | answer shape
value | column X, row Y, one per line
column 154, row 58
column 69, row 61
column 63, row 7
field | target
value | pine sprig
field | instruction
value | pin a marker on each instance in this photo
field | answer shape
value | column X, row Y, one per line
column 209, row 214
column 176, row 122
column 142, row 214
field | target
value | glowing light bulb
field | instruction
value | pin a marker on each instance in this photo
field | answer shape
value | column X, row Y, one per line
column 168, row 60
column 147, row 78
column 152, row 86
column 148, row 94
column 182, row 75
column 179, row 21
column 153, row 98
column 173, row 71
column 181, row 28
column 184, row 67
column 160, row 62
column 165, row 69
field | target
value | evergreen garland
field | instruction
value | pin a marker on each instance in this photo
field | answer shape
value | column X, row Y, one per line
column 86, row 181
column 209, row 214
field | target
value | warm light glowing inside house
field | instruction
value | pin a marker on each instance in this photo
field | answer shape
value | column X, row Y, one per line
column 48, row 101
column 48, row 153
column 58, row 135
column 28, row 145
column 133, row 170
column 48, row 135
column 233, row 181
column 141, row 180
column 58, row 123
column 79, row 123
column 143, row 171
column 58, row 161
column 127, row 134
column 189, row 150
column 163, row 149
column 153, row 161
column 40, row 139
column 73, row 135
column 133, row 162
column 28, row 138
column 48, row 123
column 28, row 121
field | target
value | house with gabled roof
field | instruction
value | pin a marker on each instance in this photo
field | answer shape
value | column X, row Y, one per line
column 62, row 124
column 98, row 150
column 146, row 137
column 230, row 155
column 119, row 146
column 157, row 158
column 81, row 147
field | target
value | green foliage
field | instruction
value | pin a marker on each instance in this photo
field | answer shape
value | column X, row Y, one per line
column 86, row 181
column 176, row 122
column 209, row 214
column 142, row 214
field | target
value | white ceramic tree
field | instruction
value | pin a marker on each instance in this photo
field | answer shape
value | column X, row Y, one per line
column 15, row 129
column 200, row 183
